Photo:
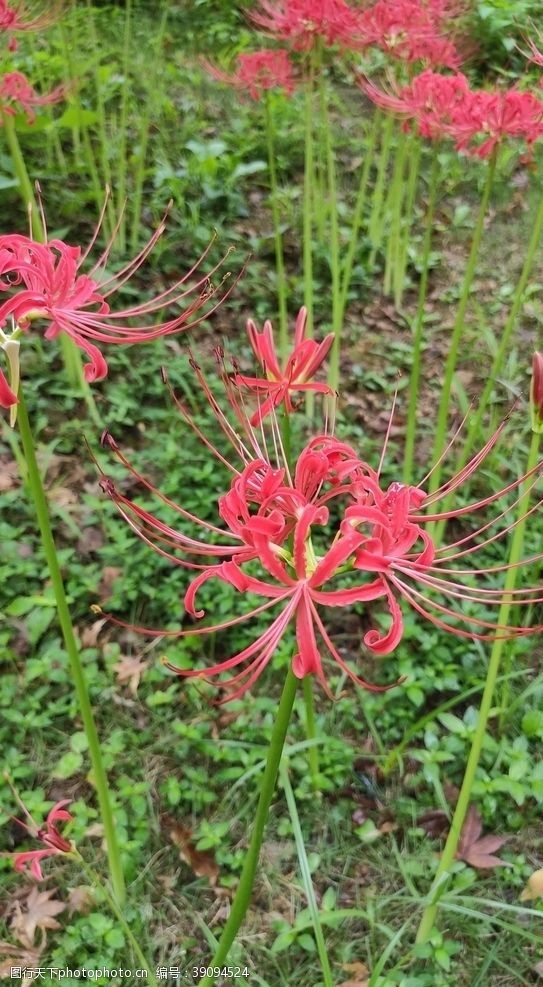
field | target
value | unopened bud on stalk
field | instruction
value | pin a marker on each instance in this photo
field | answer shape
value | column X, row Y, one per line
column 536, row 394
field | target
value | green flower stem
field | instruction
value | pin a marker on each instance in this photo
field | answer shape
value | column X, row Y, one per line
column 462, row 806
column 419, row 325
column 306, row 876
column 242, row 897
column 393, row 210
column 476, row 417
column 517, row 545
column 122, row 162
column 450, row 366
column 94, row 877
column 279, row 258
column 311, row 730
column 100, row 780
column 335, row 265
column 308, row 202
column 376, row 220
column 25, row 185
column 402, row 246
column 359, row 210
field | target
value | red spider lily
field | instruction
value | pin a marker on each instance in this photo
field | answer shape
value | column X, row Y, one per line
column 411, row 30
column 45, row 285
column 304, row 22
column 14, row 17
column 328, row 535
column 536, row 393
column 445, row 106
column 16, row 92
column 257, row 72
column 303, row 362
column 48, row 835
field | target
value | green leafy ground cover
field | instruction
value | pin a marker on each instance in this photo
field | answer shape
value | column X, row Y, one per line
column 184, row 771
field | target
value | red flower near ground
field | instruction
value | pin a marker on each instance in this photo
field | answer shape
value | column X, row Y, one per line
column 277, row 386
column 327, row 534
column 536, row 393
column 48, row 835
column 412, row 31
column 45, row 285
column 257, row 72
column 303, row 23
column 17, row 93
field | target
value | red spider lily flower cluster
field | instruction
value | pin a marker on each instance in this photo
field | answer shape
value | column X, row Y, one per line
column 278, row 385
column 17, row 93
column 324, row 533
column 45, row 285
column 53, row 842
column 258, row 71
column 412, row 31
column 536, row 393
column 477, row 120
column 304, row 23
column 15, row 18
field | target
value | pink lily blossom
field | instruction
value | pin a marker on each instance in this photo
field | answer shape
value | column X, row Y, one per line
column 326, row 534
column 48, row 834
column 258, row 71
column 536, row 393
column 278, row 385
column 16, row 18
column 45, row 284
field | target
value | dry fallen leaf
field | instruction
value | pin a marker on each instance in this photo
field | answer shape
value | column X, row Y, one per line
column 9, row 475
column 80, row 899
column 202, row 863
column 15, row 956
column 478, row 851
column 538, row 968
column 534, row 886
column 360, row 975
column 36, row 912
column 89, row 635
column 129, row 669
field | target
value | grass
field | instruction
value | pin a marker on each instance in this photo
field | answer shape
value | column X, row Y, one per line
column 170, row 752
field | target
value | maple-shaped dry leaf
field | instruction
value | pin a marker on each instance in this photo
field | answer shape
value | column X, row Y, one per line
column 37, row 911
column 534, row 886
column 476, row 850
column 129, row 669
column 202, row 863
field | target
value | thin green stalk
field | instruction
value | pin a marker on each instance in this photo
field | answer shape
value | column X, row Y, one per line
column 402, row 245
column 306, row 877
column 376, row 221
column 335, row 264
column 25, row 185
column 242, row 897
column 122, row 164
column 309, row 174
column 359, row 210
column 393, row 210
column 476, row 417
column 311, row 730
column 450, row 366
column 100, row 780
column 419, row 325
column 154, row 95
column 276, row 216
column 94, row 877
column 462, row 806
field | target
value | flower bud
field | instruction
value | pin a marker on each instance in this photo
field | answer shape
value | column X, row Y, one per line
column 536, row 393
